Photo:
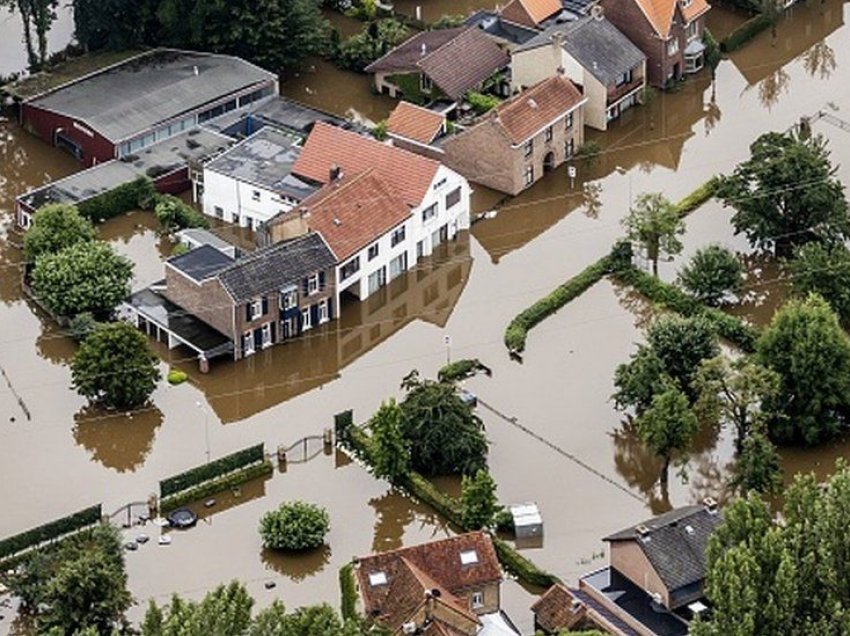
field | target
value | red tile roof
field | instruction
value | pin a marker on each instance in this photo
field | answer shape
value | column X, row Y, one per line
column 352, row 212
column 533, row 109
column 409, row 174
column 530, row 12
column 414, row 122
column 660, row 13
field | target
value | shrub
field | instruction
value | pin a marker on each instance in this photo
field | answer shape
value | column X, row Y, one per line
column 54, row 228
column 458, row 370
column 126, row 197
column 216, row 468
column 712, row 274
column 380, row 130
column 179, row 249
column 348, row 591
column 82, row 326
column 295, row 526
column 522, row 568
column 482, row 103
column 176, row 376
column 173, row 214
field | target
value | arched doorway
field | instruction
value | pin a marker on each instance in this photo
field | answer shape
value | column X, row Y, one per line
column 549, row 161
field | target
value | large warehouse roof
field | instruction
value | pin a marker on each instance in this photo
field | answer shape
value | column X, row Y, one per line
column 151, row 88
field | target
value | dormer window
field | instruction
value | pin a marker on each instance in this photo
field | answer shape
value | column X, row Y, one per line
column 468, row 557
column 377, row 578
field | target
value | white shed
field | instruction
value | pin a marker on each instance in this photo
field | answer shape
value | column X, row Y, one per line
column 528, row 524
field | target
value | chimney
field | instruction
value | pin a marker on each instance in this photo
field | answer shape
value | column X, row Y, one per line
column 196, row 71
column 557, row 50
column 335, row 172
column 710, row 504
column 429, row 606
column 424, row 50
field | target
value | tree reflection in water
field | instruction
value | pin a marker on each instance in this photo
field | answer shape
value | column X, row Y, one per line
column 120, row 441
column 297, row 565
column 395, row 511
column 819, row 60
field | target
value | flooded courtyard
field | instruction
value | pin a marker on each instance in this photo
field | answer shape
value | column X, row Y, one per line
column 556, row 438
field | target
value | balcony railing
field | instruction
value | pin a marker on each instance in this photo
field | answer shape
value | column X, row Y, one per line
column 618, row 92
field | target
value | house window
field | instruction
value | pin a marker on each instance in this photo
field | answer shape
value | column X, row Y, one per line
column 397, row 236
column 377, row 280
column 255, row 195
column 312, row 284
column 373, row 251
column 440, row 183
column 568, row 121
column 425, row 83
column 429, row 213
column 692, row 31
column 569, row 148
column 256, row 309
column 547, row 134
column 235, row 218
column 625, row 78
column 453, row 198
column 673, row 46
column 528, row 148
column 267, row 334
column 219, row 212
column 305, row 319
column 350, row 268
column 288, row 299
column 247, row 343
column 323, row 312
column 398, row 265
column 528, row 177
column 477, row 600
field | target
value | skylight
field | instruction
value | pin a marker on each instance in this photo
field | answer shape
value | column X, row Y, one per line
column 377, row 578
column 468, row 557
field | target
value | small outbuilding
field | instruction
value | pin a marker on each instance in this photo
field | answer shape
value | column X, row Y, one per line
column 528, row 524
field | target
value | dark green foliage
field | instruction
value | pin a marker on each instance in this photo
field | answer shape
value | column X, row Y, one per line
column 639, row 380
column 655, row 224
column 50, row 531
column 744, row 33
column 120, row 200
column 296, row 525
column 86, row 277
column 448, row 21
column 478, row 500
column 712, row 274
column 173, row 214
column 77, row 584
column 82, row 326
column 758, row 468
column 806, row 346
column 482, row 103
column 195, row 476
column 787, row 194
column 712, row 55
column 517, row 331
column 216, row 485
column 513, row 562
column 824, row 270
column 225, row 610
column 54, row 228
column 348, row 592
column 458, row 370
column 410, row 85
column 391, row 449
column 342, row 425
column 446, row 437
column 375, row 40
column 504, row 521
column 667, row 426
column 115, row 367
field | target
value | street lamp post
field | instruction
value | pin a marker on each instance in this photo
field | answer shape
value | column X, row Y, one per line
column 200, row 405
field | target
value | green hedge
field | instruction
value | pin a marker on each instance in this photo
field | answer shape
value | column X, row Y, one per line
column 698, row 197
column 424, row 490
column 521, row 567
column 672, row 298
column 217, row 468
column 458, row 370
column 348, row 592
column 744, row 33
column 214, row 486
column 517, row 331
column 50, row 531
column 136, row 194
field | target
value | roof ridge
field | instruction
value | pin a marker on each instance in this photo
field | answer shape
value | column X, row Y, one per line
column 463, row 31
column 410, row 548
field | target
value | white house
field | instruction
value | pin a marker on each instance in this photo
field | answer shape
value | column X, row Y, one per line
column 380, row 208
column 252, row 182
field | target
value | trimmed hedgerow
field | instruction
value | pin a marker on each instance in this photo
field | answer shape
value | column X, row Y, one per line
column 50, row 531
column 138, row 193
column 348, row 592
column 214, row 486
column 212, row 470
column 521, row 567
column 458, row 370
column 744, row 33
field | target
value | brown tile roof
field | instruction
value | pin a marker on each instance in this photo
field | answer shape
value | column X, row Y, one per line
column 353, row 211
column 695, row 9
column 553, row 611
column 414, row 122
column 456, row 60
column 527, row 113
column 408, row 173
column 530, row 12
column 435, row 565
column 660, row 13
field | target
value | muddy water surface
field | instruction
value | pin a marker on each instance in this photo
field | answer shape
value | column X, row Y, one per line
column 13, row 57
column 68, row 456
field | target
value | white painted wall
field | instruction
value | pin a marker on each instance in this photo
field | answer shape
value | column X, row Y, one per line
column 237, row 198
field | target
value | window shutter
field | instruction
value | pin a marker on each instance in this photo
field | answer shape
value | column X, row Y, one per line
column 305, row 286
column 274, row 332
column 330, row 309
column 248, row 312
column 265, row 305
column 314, row 315
column 321, row 281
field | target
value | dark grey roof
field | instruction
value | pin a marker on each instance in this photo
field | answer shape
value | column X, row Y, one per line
column 285, row 113
column 596, row 44
column 271, row 268
column 604, row 612
column 624, row 597
column 577, row 6
column 201, row 263
column 491, row 23
column 149, row 89
column 265, row 159
column 675, row 543
column 154, row 161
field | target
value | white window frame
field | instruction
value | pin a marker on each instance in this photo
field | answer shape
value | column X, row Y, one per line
column 672, row 46
column 476, row 600
column 398, row 236
column 256, row 308
column 323, row 312
column 312, row 284
column 267, row 335
column 305, row 319
column 548, row 134
column 429, row 213
column 256, row 195
column 528, row 148
column 249, row 336
column 289, row 299
column 370, row 256
column 528, row 176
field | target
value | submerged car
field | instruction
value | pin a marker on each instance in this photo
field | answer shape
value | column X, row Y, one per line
column 182, row 518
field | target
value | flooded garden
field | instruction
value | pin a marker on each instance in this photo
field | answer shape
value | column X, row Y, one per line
column 555, row 436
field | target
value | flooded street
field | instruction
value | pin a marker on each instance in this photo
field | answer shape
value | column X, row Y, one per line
column 68, row 456
column 13, row 56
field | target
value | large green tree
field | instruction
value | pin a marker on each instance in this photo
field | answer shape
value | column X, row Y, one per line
column 392, row 450
column 376, row 39
column 115, row 367
column 824, row 270
column 55, row 227
column 759, row 466
column 86, row 276
column 668, row 426
column 295, row 525
column 712, row 274
column 787, row 194
column 654, row 224
column 809, row 351
column 446, row 436
column 37, row 16
column 478, row 500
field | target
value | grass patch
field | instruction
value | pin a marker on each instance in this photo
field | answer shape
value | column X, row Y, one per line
column 214, row 486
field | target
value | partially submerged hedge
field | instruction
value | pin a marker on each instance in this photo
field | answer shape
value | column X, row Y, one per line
column 212, row 470
column 348, row 592
column 458, row 370
column 138, row 193
column 744, row 33
column 217, row 485
column 517, row 331
column 521, row 567
column 50, row 531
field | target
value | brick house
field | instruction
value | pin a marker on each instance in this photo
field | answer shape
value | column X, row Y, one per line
column 276, row 293
column 531, row 13
column 595, row 55
column 669, row 32
column 513, row 145
column 451, row 586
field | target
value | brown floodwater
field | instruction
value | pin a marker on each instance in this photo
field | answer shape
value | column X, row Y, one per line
column 14, row 58
column 67, row 455
column 432, row 10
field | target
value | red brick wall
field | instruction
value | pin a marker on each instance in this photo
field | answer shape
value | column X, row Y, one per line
column 45, row 123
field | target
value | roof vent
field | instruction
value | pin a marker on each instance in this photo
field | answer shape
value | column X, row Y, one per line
column 468, row 557
column 689, row 529
column 576, row 606
column 710, row 504
column 642, row 530
column 337, row 222
column 195, row 68
column 423, row 51
column 597, row 12
column 377, row 578
column 409, row 628
column 532, row 103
